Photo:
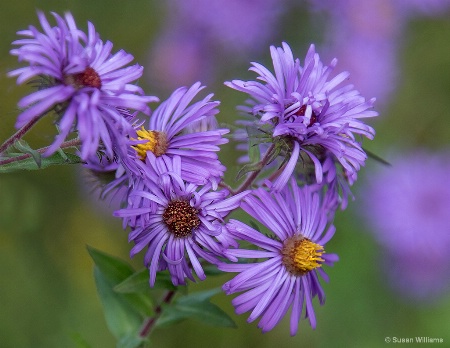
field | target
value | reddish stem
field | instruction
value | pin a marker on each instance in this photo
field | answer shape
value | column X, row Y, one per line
column 249, row 181
column 19, row 134
column 150, row 322
column 66, row 144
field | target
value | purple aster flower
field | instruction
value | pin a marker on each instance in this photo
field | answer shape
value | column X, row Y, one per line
column 288, row 277
column 175, row 130
column 82, row 80
column 407, row 207
column 306, row 114
column 179, row 223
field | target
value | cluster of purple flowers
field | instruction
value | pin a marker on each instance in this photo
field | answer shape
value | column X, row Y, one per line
column 306, row 122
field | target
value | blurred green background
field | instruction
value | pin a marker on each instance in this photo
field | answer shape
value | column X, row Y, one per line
column 47, row 292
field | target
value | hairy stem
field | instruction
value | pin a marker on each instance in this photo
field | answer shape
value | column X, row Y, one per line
column 150, row 322
column 249, row 181
column 19, row 134
column 66, row 144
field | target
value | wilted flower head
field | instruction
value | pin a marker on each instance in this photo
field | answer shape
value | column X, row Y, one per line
column 175, row 130
column 407, row 206
column 294, row 254
column 81, row 80
column 307, row 114
column 179, row 223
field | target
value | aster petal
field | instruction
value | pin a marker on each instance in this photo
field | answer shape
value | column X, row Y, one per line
column 282, row 180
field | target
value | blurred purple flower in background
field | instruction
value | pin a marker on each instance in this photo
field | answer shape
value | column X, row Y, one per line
column 86, row 85
column 198, row 32
column 415, row 8
column 408, row 209
column 366, row 36
column 180, row 57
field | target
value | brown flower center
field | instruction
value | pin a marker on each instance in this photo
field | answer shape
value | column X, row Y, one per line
column 181, row 218
column 87, row 78
column 301, row 255
column 156, row 143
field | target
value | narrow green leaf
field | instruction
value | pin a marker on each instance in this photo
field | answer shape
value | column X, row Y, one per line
column 377, row 158
column 253, row 151
column 207, row 313
column 197, row 297
column 139, row 282
column 23, row 146
column 197, row 306
column 253, row 144
column 203, row 311
column 121, row 319
column 131, row 341
column 211, row 270
column 274, row 153
column 247, row 169
column 30, row 162
column 254, row 225
column 170, row 315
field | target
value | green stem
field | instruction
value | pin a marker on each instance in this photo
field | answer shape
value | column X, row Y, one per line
column 66, row 144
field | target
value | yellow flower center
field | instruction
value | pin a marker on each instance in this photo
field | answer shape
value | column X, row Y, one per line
column 156, row 143
column 301, row 255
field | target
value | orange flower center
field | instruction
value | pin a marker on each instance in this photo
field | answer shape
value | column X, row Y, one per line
column 301, row 255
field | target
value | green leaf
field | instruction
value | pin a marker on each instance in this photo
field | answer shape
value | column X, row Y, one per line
column 254, row 225
column 113, row 268
column 253, row 145
column 205, row 312
column 377, row 158
column 121, row 319
column 275, row 152
column 115, row 271
column 23, row 146
column 253, row 151
column 139, row 282
column 211, row 270
column 131, row 341
column 29, row 163
column 251, row 167
column 196, row 306
column 197, row 297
